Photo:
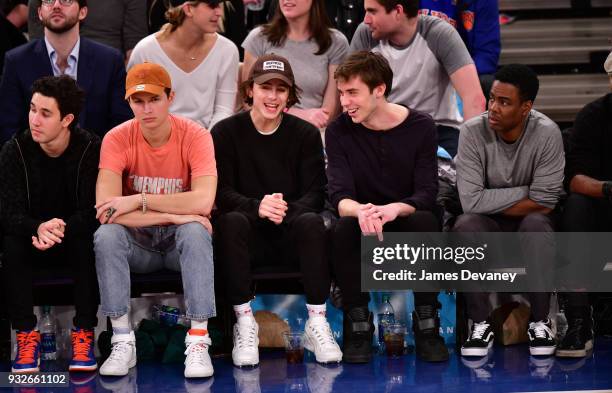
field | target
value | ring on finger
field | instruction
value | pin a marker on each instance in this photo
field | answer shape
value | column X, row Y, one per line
column 110, row 212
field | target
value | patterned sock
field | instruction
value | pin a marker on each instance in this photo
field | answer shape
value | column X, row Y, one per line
column 244, row 312
column 316, row 310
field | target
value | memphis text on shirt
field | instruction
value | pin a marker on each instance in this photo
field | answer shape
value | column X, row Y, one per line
column 463, row 275
column 156, row 185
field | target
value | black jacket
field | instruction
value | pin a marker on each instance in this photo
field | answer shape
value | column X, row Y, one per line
column 21, row 190
column 590, row 142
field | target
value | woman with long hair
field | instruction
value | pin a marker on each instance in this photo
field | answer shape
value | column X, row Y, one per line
column 301, row 32
column 203, row 65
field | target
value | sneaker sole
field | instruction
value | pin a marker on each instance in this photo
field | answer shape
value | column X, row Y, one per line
column 117, row 373
column 476, row 351
column 199, row 374
column 83, row 368
column 542, row 351
column 308, row 345
column 575, row 353
column 27, row 370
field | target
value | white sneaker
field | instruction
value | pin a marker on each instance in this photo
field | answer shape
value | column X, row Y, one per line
column 122, row 357
column 197, row 363
column 246, row 342
column 318, row 338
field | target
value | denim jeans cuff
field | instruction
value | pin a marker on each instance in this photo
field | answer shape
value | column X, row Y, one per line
column 201, row 317
column 114, row 314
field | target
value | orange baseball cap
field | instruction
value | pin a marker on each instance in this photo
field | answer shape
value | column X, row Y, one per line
column 147, row 77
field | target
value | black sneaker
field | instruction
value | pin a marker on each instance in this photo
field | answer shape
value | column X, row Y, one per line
column 480, row 340
column 358, row 329
column 578, row 339
column 541, row 338
column 429, row 345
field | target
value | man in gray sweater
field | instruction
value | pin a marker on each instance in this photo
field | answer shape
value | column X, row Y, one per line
column 510, row 165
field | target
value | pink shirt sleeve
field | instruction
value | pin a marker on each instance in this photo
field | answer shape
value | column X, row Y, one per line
column 113, row 154
column 202, row 154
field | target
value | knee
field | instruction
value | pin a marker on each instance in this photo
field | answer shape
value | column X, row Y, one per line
column 469, row 222
column 310, row 223
column 110, row 234
column 578, row 203
column 192, row 232
column 426, row 221
column 536, row 222
column 346, row 226
column 231, row 222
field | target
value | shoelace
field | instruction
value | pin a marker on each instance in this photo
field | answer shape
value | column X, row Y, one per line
column 27, row 342
column 479, row 330
column 81, row 343
column 541, row 330
column 120, row 348
column 323, row 333
column 194, row 350
column 246, row 336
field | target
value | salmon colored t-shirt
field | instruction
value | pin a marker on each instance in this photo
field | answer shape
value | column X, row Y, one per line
column 168, row 169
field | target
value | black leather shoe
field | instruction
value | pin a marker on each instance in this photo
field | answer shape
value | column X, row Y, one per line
column 430, row 346
column 358, row 333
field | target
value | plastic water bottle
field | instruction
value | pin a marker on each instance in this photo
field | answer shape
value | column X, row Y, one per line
column 386, row 316
column 48, row 333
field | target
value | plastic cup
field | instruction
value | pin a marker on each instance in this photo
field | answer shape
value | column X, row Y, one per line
column 294, row 347
column 394, row 339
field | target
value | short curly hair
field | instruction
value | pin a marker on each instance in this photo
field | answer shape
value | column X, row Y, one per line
column 521, row 76
column 68, row 95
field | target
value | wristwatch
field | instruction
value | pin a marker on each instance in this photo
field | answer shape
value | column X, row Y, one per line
column 606, row 190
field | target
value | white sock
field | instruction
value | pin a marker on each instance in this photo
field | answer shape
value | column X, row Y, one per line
column 121, row 325
column 200, row 325
column 244, row 313
column 316, row 310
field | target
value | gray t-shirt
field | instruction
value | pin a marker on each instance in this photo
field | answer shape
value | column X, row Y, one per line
column 422, row 69
column 493, row 175
column 311, row 71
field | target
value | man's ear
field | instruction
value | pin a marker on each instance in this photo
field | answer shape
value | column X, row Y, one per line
column 526, row 107
column 82, row 13
column 69, row 118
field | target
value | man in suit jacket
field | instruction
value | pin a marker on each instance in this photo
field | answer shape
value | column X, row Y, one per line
column 98, row 69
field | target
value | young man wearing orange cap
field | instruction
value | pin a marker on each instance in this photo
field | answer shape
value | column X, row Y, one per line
column 271, row 189
column 155, row 189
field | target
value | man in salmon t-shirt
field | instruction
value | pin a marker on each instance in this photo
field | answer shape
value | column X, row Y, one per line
column 155, row 190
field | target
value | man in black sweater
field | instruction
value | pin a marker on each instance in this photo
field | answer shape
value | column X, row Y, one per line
column 271, row 189
column 48, row 176
column 588, row 173
column 382, row 172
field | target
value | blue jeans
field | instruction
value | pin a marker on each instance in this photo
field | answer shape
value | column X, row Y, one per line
column 186, row 248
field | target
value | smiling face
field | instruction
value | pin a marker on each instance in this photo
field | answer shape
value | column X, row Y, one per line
column 46, row 122
column 269, row 99
column 507, row 110
column 60, row 18
column 293, row 9
column 150, row 110
column 357, row 100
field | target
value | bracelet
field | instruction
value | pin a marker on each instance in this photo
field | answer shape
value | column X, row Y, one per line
column 143, row 200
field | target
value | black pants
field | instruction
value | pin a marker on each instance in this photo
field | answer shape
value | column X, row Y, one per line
column 346, row 246
column 585, row 214
column 21, row 259
column 241, row 243
column 478, row 305
column 448, row 138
